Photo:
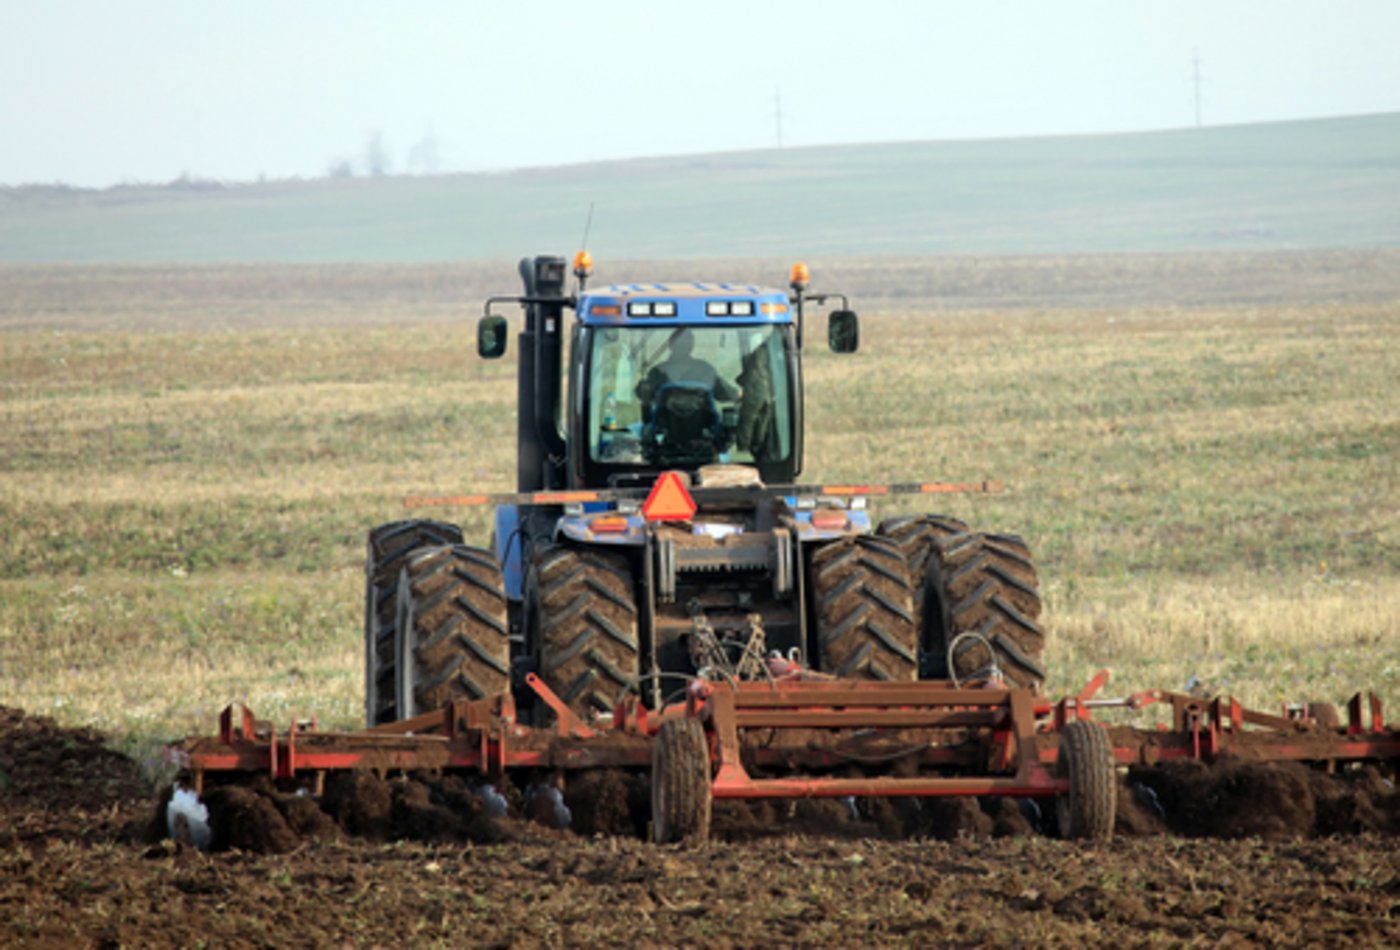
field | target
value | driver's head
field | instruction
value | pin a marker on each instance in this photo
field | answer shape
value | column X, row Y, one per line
column 684, row 343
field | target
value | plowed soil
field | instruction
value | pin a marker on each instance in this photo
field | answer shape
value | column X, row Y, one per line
column 1237, row 854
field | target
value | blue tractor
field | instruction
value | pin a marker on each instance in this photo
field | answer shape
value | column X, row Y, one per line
column 657, row 532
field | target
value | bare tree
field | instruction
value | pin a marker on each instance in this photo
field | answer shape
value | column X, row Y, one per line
column 377, row 162
column 423, row 157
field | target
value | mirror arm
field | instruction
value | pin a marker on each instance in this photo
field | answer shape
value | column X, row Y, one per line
column 820, row 299
column 570, row 301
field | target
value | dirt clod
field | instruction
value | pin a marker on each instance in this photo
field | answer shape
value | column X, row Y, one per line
column 360, row 802
column 1277, row 800
column 606, row 802
column 242, row 818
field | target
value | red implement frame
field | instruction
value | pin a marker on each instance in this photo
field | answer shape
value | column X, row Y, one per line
column 800, row 738
column 989, row 733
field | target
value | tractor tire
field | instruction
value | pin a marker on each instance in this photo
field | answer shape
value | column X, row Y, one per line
column 984, row 586
column 916, row 536
column 1087, row 811
column 452, row 636
column 390, row 546
column 865, row 610
column 582, row 610
column 681, row 802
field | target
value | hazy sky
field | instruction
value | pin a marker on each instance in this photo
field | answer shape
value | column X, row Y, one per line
column 97, row 92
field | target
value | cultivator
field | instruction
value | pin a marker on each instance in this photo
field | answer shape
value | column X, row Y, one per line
column 806, row 736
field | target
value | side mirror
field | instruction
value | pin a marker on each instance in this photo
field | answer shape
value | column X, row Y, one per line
column 843, row 331
column 491, row 336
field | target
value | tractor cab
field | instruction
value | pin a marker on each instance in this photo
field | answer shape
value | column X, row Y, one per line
column 661, row 385
column 661, row 376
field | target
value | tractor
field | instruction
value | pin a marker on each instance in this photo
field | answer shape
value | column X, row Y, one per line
column 657, row 532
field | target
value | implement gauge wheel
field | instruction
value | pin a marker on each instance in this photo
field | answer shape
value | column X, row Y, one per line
column 680, row 783
column 1088, row 809
column 1325, row 716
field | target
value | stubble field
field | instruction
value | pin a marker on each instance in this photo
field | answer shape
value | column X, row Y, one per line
column 189, row 458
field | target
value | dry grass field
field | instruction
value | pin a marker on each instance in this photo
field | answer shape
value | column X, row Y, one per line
column 1203, row 456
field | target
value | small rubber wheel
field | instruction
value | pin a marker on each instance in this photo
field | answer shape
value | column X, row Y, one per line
column 1325, row 716
column 680, row 783
column 1088, row 809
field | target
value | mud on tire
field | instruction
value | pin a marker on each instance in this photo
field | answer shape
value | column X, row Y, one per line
column 865, row 614
column 452, row 636
column 584, row 615
column 916, row 536
column 973, row 583
column 988, row 586
column 390, row 547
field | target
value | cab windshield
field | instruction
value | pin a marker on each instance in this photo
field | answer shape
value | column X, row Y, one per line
column 688, row 396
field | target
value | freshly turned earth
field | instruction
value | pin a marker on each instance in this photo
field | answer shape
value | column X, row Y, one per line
column 1239, row 854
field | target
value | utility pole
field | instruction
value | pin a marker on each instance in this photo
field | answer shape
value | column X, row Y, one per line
column 1196, row 81
column 778, row 113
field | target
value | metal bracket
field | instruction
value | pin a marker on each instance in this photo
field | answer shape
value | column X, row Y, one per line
column 567, row 722
column 666, row 570
column 783, row 563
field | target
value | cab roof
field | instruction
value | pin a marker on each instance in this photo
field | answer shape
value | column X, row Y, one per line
column 683, row 302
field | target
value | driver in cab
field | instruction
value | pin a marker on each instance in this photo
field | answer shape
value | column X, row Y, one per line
column 681, row 366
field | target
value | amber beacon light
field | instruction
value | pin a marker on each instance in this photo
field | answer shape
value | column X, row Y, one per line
column 801, row 277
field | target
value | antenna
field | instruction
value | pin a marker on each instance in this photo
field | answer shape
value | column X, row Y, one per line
column 583, row 261
column 587, row 226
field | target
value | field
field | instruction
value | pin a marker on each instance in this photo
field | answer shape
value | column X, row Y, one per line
column 1201, row 452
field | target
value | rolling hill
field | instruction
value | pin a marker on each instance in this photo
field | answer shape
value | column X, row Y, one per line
column 1328, row 183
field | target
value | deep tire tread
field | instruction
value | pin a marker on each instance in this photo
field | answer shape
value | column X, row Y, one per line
column 389, row 548
column 971, row 581
column 455, row 632
column 585, row 616
column 866, row 624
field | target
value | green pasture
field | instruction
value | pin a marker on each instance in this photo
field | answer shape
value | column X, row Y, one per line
column 1309, row 184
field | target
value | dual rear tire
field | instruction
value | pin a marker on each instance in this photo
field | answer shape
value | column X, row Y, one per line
column 977, row 600
column 888, row 607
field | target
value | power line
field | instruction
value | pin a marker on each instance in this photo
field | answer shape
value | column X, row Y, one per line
column 778, row 113
column 1196, row 82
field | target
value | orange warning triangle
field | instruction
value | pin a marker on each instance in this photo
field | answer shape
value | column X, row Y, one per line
column 669, row 499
